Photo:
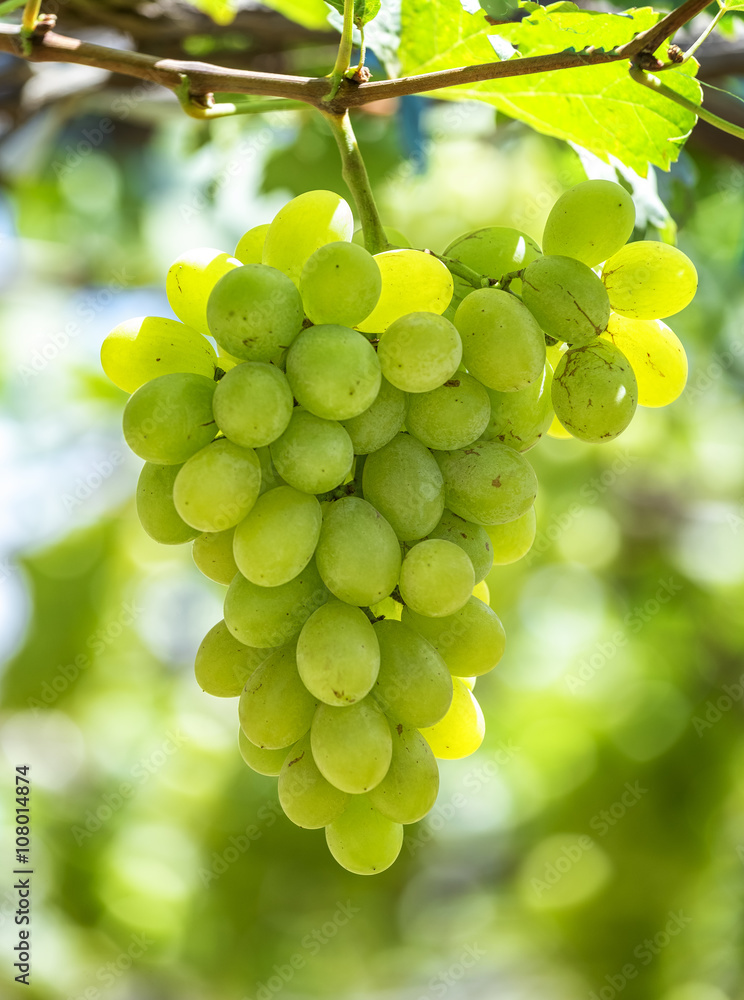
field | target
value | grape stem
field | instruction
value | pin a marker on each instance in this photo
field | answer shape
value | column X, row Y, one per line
column 357, row 180
column 655, row 84
column 696, row 45
column 463, row 271
column 345, row 46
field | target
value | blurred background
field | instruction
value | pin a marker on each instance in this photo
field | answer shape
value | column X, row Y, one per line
column 595, row 844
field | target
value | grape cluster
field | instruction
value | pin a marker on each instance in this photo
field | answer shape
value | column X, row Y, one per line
column 350, row 464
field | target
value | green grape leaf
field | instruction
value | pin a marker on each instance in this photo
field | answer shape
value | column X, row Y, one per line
column 731, row 4
column 597, row 107
column 221, row 11
column 309, row 13
column 364, row 10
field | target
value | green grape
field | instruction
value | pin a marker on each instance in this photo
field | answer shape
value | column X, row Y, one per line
column 557, row 430
column 333, row 371
column 649, row 280
column 190, row 281
column 412, row 281
column 212, row 552
column 217, row 486
column 313, row 455
column 338, row 655
column 362, row 840
column 590, row 222
column 452, row 416
column 275, row 708
column 278, row 537
column 513, row 540
column 494, row 251
column 250, row 245
column 413, row 686
column 394, row 236
column 403, row 482
column 461, row 731
column 595, row 392
column 502, row 345
column 254, row 313
column 380, row 422
column 471, row 538
column 253, row 404
column 358, row 555
column 155, row 507
column 409, row 789
column 567, row 299
column 655, row 354
column 170, row 418
column 519, row 419
column 481, row 591
column 143, row 348
column 554, row 353
column 487, row 483
column 223, row 664
column 340, row 284
column 471, row 641
column 307, row 799
column 436, row 578
column 270, row 478
column 352, row 746
column 271, row 616
column 304, row 225
column 260, row 760
column 469, row 682
column 419, row 351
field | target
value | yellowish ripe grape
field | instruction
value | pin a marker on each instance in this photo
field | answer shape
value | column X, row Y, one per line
column 655, row 354
column 462, row 729
column 303, row 226
column 412, row 281
column 481, row 591
column 649, row 280
column 557, row 430
column 250, row 245
column 190, row 280
column 555, row 352
column 140, row 349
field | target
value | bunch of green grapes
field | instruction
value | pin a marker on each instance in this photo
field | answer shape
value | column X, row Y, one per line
column 341, row 437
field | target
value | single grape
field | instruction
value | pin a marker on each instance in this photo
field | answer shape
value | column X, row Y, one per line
column 513, row 540
column 254, row 313
column 567, row 299
column 338, row 655
column 155, row 507
column 413, row 685
column 340, row 284
column 452, row 416
column 352, row 746
column 380, row 422
column 333, row 371
column 145, row 347
column 223, row 664
column 313, row 455
column 307, row 799
column 275, row 708
column 403, row 482
column 461, row 731
column 502, row 345
column 260, row 760
column 304, row 225
column 655, row 354
column 395, row 238
column 471, row 538
column 271, row 616
column 519, row 419
column 595, row 392
column 649, row 280
column 590, row 222
column 358, row 554
column 362, row 840
column 409, row 789
column 190, row 281
column 217, row 486
column 494, row 252
column 170, row 418
column 419, row 351
column 471, row 641
column 212, row 552
column 487, row 483
column 253, row 404
column 436, row 578
column 250, row 245
column 277, row 539
column 412, row 281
